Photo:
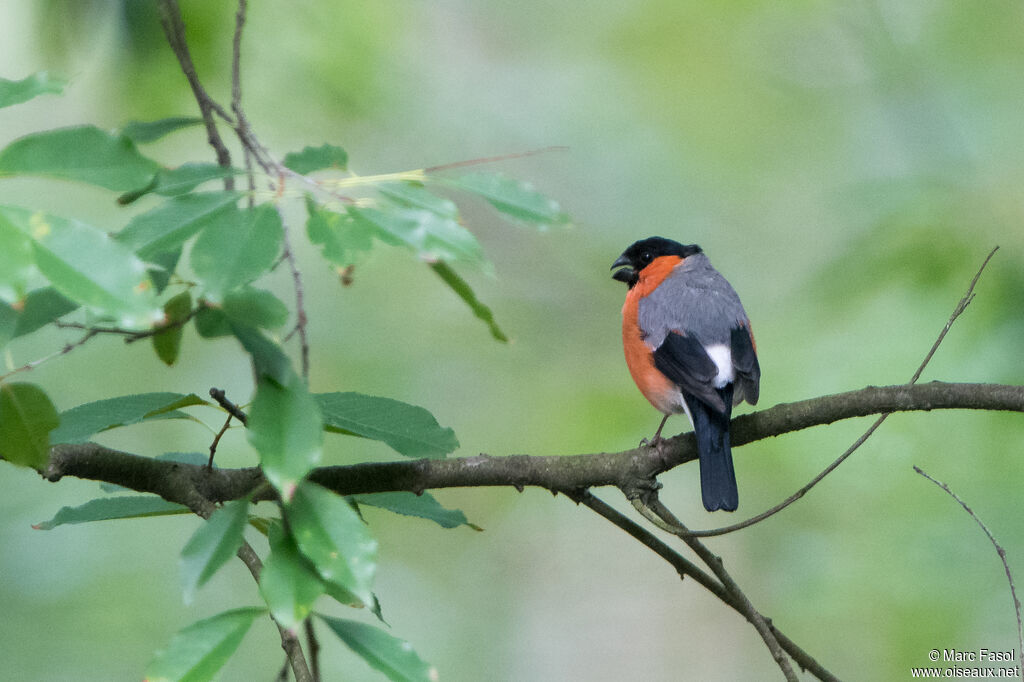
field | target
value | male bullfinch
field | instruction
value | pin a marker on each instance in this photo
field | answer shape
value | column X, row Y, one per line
column 689, row 348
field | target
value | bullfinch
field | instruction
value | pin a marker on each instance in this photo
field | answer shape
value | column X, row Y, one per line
column 689, row 349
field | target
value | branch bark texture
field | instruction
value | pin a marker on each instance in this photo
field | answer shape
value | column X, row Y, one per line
column 195, row 485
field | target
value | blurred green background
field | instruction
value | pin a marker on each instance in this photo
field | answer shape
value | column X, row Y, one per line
column 847, row 165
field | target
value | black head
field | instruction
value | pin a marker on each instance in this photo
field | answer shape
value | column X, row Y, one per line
column 640, row 254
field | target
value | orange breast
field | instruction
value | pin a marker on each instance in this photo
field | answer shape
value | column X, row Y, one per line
column 656, row 387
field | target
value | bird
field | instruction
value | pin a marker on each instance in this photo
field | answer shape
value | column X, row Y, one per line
column 690, row 349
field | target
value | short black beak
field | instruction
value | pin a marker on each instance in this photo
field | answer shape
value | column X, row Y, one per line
column 626, row 274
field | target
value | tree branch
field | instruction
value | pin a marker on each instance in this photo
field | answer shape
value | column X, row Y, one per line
column 686, row 568
column 630, row 470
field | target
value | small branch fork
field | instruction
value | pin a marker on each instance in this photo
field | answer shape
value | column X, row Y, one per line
column 1002, row 557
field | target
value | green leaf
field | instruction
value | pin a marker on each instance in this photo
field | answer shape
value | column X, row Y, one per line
column 248, row 308
column 333, row 537
column 256, row 307
column 316, row 158
column 39, row 83
column 16, row 261
column 517, row 200
column 161, row 266
column 110, row 508
column 167, row 341
column 392, row 656
column 88, row 267
column 81, row 423
column 288, row 583
column 8, row 323
column 173, row 222
column 433, row 237
column 415, row 195
column 465, row 292
column 286, row 428
column 268, row 358
column 141, row 132
column 213, row 544
column 410, row 430
column 83, row 153
column 40, row 308
column 423, row 506
column 198, row 651
column 341, row 239
column 185, row 178
column 26, row 419
column 236, row 249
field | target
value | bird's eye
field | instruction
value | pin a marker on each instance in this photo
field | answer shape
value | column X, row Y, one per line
column 646, row 257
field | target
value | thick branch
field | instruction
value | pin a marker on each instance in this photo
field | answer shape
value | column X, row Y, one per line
column 630, row 469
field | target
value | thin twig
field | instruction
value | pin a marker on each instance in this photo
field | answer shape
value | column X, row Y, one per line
column 314, row 650
column 289, row 640
column 216, row 440
column 495, row 159
column 222, row 400
column 130, row 335
column 957, row 311
column 685, row 568
column 300, row 306
column 236, row 93
column 174, row 30
column 63, row 351
column 651, row 508
column 1002, row 557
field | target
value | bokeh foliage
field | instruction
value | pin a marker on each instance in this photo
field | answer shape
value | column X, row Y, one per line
column 846, row 165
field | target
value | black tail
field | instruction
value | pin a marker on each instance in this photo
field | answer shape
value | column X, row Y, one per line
column 717, row 477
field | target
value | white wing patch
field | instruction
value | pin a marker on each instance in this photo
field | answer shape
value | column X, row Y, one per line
column 722, row 357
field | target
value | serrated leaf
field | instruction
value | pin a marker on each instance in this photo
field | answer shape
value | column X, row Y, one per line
column 212, row 545
column 341, row 239
column 167, row 341
column 392, row 656
column 236, row 249
column 465, row 292
column 286, row 429
column 316, row 158
column 423, row 506
column 82, row 153
column 88, row 267
column 198, row 651
column 331, row 535
column 111, row 508
column 173, row 222
column 517, row 200
column 410, row 430
column 432, row 237
column 141, row 132
column 16, row 261
column 81, row 423
column 39, row 83
column 288, row 583
column 40, row 308
column 26, row 419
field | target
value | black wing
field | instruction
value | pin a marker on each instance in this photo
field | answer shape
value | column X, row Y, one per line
column 684, row 360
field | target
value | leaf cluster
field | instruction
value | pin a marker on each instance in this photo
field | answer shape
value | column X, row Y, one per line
column 196, row 256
